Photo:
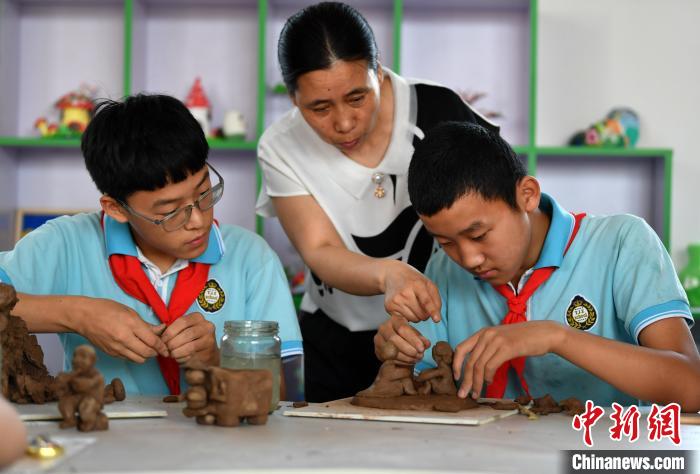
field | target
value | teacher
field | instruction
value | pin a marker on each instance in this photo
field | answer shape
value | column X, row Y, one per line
column 335, row 169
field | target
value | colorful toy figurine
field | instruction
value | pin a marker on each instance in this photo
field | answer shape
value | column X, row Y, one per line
column 75, row 109
column 198, row 104
column 620, row 129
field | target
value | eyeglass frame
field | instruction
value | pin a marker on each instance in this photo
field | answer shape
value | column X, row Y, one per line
column 170, row 215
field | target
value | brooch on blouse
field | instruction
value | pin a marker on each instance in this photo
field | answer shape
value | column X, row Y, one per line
column 378, row 179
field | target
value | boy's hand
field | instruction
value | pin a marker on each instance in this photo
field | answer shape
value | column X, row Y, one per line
column 119, row 331
column 490, row 347
column 192, row 335
column 410, row 343
column 409, row 294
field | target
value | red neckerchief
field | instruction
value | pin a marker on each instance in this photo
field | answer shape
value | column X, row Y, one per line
column 130, row 276
column 517, row 308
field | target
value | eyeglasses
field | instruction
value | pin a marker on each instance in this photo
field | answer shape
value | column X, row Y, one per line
column 180, row 217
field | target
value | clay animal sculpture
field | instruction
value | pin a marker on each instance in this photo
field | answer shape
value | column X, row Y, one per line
column 81, row 393
column 24, row 377
column 439, row 380
column 394, row 378
column 224, row 397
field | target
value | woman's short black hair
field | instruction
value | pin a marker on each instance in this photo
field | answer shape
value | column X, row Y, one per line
column 142, row 144
column 458, row 158
column 317, row 36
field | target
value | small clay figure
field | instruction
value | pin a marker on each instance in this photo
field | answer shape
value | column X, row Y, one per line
column 439, row 380
column 545, row 405
column 81, row 393
column 114, row 391
column 24, row 377
column 394, row 378
column 572, row 406
column 225, row 396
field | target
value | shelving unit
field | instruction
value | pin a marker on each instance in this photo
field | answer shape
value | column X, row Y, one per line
column 127, row 46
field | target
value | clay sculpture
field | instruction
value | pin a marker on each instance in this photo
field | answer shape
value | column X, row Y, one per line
column 81, row 393
column 433, row 389
column 225, row 397
column 394, row 378
column 24, row 377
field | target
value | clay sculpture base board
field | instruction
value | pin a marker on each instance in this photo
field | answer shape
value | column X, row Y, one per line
column 342, row 409
column 129, row 408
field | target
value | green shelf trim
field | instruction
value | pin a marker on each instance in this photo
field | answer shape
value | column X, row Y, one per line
column 532, row 126
column 602, row 151
column 522, row 149
column 39, row 142
column 262, row 87
column 668, row 177
column 396, row 38
column 128, row 41
column 225, row 144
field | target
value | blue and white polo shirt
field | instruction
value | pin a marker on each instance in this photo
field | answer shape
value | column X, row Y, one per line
column 69, row 256
column 615, row 280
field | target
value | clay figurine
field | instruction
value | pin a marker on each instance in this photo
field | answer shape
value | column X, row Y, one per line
column 394, row 378
column 439, row 380
column 395, row 388
column 81, row 393
column 24, row 377
column 224, row 397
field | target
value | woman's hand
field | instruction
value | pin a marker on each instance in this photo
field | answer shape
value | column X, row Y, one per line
column 410, row 343
column 409, row 294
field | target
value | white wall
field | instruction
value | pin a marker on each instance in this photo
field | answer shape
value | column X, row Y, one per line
column 597, row 54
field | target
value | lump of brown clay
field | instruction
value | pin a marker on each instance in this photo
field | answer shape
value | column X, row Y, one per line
column 572, row 406
column 171, row 399
column 505, row 405
column 545, row 405
column 225, row 397
column 114, row 391
column 81, row 393
column 300, row 404
column 523, row 399
column 24, row 377
column 395, row 389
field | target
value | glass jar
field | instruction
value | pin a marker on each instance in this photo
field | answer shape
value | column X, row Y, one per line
column 253, row 345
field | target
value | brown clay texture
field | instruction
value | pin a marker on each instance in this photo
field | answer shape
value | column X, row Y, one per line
column 81, row 393
column 225, row 397
column 24, row 377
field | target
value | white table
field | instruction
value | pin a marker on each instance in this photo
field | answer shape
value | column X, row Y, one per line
column 177, row 443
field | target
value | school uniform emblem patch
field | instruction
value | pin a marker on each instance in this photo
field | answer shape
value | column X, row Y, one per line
column 581, row 314
column 212, row 297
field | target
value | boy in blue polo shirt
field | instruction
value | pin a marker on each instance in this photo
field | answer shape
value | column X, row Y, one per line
column 151, row 279
column 535, row 299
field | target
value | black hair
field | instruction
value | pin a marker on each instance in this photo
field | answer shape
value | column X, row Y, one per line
column 142, row 144
column 318, row 35
column 458, row 158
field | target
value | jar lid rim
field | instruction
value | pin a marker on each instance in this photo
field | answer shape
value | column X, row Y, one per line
column 251, row 324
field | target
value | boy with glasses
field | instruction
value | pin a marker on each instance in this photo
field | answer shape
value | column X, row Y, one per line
column 151, row 279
